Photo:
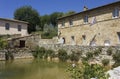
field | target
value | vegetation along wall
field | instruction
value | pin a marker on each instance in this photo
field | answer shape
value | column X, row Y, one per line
column 93, row 53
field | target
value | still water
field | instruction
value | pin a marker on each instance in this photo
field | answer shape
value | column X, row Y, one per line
column 33, row 69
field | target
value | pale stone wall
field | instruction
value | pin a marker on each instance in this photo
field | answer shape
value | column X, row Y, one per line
column 48, row 41
column 84, row 49
column 105, row 28
column 20, row 54
column 13, row 28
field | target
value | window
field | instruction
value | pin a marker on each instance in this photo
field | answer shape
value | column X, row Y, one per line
column 115, row 13
column 72, row 40
column 63, row 23
column 86, row 19
column 72, row 37
column 71, row 22
column 84, row 37
column 19, row 27
column 7, row 26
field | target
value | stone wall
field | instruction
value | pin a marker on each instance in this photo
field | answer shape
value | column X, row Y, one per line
column 84, row 49
column 17, row 53
column 30, row 41
column 49, row 41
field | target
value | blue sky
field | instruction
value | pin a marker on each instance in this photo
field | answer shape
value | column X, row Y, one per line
column 8, row 7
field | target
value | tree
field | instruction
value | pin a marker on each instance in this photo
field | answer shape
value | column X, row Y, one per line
column 54, row 16
column 69, row 13
column 28, row 14
column 45, row 20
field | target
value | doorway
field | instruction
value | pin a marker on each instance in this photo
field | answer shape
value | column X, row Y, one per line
column 22, row 43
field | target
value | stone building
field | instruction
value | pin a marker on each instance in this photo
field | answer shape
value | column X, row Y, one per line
column 99, row 26
column 13, row 27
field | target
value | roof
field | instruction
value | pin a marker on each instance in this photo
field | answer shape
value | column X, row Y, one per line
column 13, row 20
column 90, row 10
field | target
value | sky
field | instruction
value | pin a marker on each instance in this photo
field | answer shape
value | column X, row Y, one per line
column 43, row 7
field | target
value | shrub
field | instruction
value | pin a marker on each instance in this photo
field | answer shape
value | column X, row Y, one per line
column 39, row 52
column 62, row 55
column 89, row 55
column 74, row 56
column 50, row 53
column 109, row 51
column 105, row 62
column 9, row 55
column 116, row 58
column 96, row 52
column 88, row 71
column 3, row 43
column 49, row 34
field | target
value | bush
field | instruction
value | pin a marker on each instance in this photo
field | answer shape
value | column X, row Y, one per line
column 49, row 34
column 116, row 58
column 97, row 52
column 74, row 56
column 39, row 52
column 62, row 55
column 89, row 55
column 88, row 71
column 109, row 51
column 50, row 53
column 9, row 54
column 3, row 43
column 105, row 62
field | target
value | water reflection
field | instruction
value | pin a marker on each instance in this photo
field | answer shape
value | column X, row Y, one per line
column 32, row 69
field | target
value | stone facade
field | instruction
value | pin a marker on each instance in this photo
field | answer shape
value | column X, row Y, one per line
column 98, row 27
column 13, row 27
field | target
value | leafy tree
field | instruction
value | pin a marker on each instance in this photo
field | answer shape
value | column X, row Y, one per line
column 54, row 16
column 28, row 14
column 44, row 20
column 69, row 13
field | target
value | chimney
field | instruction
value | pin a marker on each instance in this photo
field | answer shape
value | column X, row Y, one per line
column 85, row 8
